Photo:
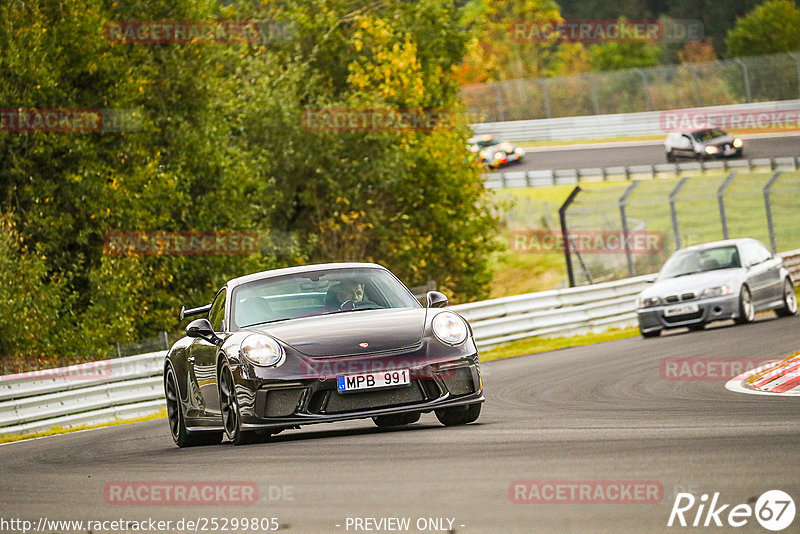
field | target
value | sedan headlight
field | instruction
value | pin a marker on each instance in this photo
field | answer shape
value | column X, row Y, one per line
column 649, row 302
column 262, row 350
column 450, row 328
column 716, row 291
column 519, row 151
column 737, row 143
column 711, row 149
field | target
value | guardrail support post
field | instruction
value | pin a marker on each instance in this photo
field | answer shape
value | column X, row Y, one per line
column 622, row 201
column 562, row 215
column 767, row 204
column 673, row 197
column 721, row 202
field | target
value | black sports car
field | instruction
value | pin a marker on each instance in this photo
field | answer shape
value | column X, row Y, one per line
column 318, row 344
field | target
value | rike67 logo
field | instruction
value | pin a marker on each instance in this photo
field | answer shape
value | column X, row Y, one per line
column 774, row 510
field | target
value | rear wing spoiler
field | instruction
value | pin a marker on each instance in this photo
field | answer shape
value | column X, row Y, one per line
column 193, row 311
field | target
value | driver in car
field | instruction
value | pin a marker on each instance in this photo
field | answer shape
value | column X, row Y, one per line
column 349, row 291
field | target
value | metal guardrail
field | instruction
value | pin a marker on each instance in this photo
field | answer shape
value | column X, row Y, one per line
column 791, row 260
column 543, row 178
column 132, row 386
column 573, row 310
column 92, row 393
column 615, row 125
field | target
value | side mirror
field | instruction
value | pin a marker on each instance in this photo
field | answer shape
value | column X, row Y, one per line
column 201, row 328
column 436, row 299
column 651, row 279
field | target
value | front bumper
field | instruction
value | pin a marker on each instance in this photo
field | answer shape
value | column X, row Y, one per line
column 301, row 400
column 711, row 309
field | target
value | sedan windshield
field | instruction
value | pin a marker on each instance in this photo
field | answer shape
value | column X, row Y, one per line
column 687, row 262
column 317, row 293
column 707, row 135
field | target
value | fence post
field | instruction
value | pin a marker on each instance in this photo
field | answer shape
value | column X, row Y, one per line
column 646, row 88
column 562, row 215
column 746, row 78
column 770, row 227
column 595, row 98
column 721, row 202
column 546, row 98
column 673, row 197
column 622, row 201
column 797, row 68
column 501, row 114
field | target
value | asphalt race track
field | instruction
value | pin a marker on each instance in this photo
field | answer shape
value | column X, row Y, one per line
column 639, row 153
column 595, row 413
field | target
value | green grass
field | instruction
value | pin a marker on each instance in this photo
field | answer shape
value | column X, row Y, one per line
column 62, row 430
column 596, row 208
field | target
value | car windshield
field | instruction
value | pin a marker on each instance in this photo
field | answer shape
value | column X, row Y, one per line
column 707, row 135
column 687, row 262
column 317, row 293
column 490, row 142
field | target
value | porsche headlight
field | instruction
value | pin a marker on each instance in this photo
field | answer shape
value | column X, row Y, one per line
column 482, row 154
column 649, row 302
column 716, row 291
column 737, row 143
column 262, row 350
column 450, row 328
column 519, row 151
column 499, row 155
column 711, row 149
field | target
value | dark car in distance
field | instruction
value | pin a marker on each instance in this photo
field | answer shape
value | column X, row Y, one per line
column 317, row 344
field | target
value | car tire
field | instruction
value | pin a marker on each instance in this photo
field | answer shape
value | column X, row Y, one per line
column 746, row 309
column 395, row 419
column 671, row 157
column 651, row 333
column 229, row 407
column 180, row 435
column 789, row 307
column 458, row 415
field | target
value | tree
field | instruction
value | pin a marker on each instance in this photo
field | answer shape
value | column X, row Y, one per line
column 219, row 145
column 770, row 28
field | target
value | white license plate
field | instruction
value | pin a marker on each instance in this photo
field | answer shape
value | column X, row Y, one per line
column 383, row 379
column 729, row 151
column 684, row 309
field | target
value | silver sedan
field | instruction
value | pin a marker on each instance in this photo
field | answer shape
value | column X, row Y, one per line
column 732, row 279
